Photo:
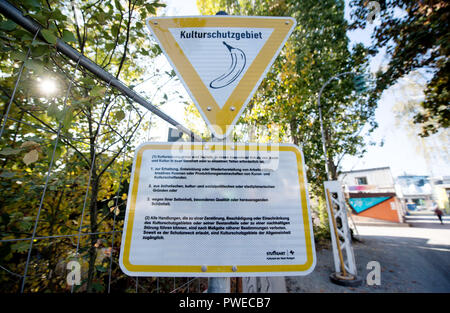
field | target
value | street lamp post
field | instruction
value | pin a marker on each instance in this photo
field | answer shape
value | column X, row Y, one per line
column 324, row 146
column 343, row 278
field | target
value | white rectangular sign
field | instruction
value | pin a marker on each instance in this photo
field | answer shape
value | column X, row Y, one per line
column 209, row 209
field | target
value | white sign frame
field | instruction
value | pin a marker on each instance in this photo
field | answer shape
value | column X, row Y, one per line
column 281, row 267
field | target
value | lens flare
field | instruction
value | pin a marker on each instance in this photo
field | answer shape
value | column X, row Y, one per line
column 48, row 86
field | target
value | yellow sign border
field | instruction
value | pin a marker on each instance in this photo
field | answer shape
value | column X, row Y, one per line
column 125, row 257
column 218, row 119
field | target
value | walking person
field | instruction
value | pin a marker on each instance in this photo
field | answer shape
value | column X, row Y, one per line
column 438, row 212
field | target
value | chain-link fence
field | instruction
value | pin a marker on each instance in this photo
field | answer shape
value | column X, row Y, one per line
column 68, row 131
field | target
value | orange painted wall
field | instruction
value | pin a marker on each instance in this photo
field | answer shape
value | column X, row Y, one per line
column 382, row 211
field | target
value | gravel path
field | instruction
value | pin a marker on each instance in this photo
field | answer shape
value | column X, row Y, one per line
column 412, row 259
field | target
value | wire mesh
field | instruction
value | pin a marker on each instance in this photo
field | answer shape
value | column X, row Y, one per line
column 53, row 215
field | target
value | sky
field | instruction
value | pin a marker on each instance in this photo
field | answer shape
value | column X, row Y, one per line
column 394, row 147
column 399, row 150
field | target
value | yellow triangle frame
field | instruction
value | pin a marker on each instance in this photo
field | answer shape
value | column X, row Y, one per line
column 221, row 121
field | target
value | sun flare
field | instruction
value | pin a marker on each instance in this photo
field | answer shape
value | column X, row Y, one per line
column 48, row 86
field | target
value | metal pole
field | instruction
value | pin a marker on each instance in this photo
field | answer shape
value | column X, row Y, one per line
column 324, row 146
column 218, row 284
column 14, row 14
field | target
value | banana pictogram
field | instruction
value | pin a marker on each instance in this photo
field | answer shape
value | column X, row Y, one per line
column 238, row 61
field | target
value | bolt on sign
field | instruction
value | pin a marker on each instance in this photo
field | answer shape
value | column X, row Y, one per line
column 217, row 210
column 221, row 60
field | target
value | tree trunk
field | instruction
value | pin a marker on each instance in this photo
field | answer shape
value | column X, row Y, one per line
column 93, row 229
column 92, row 209
column 293, row 128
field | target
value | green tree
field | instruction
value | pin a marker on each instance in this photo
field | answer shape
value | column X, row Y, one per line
column 285, row 105
column 415, row 36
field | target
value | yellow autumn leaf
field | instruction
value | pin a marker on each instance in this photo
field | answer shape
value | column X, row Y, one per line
column 115, row 210
column 124, row 196
column 31, row 157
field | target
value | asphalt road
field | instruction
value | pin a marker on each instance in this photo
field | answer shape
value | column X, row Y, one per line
column 412, row 259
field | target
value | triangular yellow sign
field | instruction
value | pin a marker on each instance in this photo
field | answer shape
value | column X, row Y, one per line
column 221, row 60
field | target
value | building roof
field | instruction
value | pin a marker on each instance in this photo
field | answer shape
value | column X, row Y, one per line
column 367, row 170
column 413, row 176
column 371, row 194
